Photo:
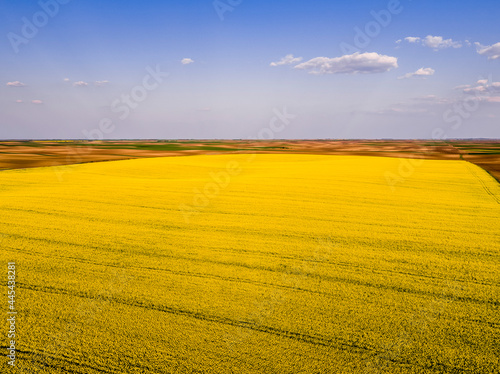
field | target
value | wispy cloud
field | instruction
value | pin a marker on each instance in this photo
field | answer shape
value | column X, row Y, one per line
column 493, row 99
column 357, row 63
column 490, row 51
column 80, row 84
column 397, row 109
column 483, row 86
column 287, row 60
column 431, row 99
column 420, row 73
column 426, row 105
column 186, row 61
column 16, row 84
column 100, row 83
column 37, row 102
column 425, row 98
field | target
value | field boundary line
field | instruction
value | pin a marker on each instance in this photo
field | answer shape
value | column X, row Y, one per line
column 472, row 170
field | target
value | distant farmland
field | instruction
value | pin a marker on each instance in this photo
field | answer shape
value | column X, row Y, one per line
column 267, row 263
column 27, row 154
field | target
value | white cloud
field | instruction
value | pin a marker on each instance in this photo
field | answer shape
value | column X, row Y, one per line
column 420, row 73
column 38, row 102
column 434, row 42
column 437, row 42
column 364, row 63
column 80, row 84
column 101, row 83
column 66, row 79
column 16, row 84
column 490, row 51
column 413, row 39
column 186, row 61
column 287, row 60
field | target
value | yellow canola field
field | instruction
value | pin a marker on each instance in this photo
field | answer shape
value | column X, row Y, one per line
column 254, row 264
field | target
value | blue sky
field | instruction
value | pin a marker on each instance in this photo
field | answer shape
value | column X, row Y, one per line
column 423, row 69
